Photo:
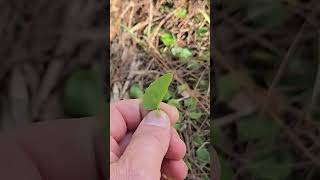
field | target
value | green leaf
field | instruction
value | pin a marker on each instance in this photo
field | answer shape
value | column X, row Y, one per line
column 174, row 102
column 271, row 163
column 228, row 86
column 198, row 140
column 204, row 84
column 204, row 55
column 253, row 127
column 135, row 91
column 195, row 115
column 183, row 53
column 178, row 126
column 182, row 88
column 190, row 103
column 176, row 51
column 168, row 39
column 194, row 65
column 168, row 96
column 203, row 154
column 164, row 9
column 204, row 177
column 201, row 32
column 156, row 91
column 180, row 13
column 270, row 169
column 81, row 94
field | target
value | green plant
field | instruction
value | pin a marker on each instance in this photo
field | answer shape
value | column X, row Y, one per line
column 135, row 91
column 182, row 53
column 180, row 13
column 81, row 94
column 168, row 39
column 156, row 91
column 203, row 154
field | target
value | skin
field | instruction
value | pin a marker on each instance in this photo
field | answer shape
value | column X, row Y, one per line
column 75, row 148
column 141, row 151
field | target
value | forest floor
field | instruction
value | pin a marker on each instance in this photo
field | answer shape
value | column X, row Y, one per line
column 150, row 38
column 266, row 122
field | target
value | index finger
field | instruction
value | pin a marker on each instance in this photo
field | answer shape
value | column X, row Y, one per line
column 127, row 114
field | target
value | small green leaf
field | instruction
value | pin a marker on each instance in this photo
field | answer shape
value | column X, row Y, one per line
column 195, row 115
column 183, row 53
column 177, row 126
column 181, row 117
column 182, row 88
column 156, row 91
column 253, row 127
column 201, row 32
column 168, row 39
column 190, row 103
column 271, row 165
column 204, row 55
column 81, row 96
column 174, row 102
column 164, row 9
column 203, row 154
column 228, row 86
column 180, row 13
column 205, row 177
column 198, row 140
column 193, row 65
column 168, row 96
column 135, row 91
column 204, row 84
column 176, row 51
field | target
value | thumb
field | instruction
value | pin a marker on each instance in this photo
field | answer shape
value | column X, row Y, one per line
column 149, row 143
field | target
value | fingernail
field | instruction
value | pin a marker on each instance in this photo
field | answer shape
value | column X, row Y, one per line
column 157, row 118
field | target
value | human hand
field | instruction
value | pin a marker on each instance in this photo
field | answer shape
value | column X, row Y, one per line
column 143, row 145
column 64, row 149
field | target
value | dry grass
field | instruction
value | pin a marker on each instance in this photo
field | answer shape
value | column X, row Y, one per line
column 138, row 56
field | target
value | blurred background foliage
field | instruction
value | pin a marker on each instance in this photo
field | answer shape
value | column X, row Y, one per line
column 266, row 56
column 51, row 55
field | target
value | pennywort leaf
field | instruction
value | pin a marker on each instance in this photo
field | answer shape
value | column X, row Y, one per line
column 183, row 53
column 135, row 91
column 168, row 39
column 203, row 154
column 180, row 13
column 174, row 102
column 156, row 91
